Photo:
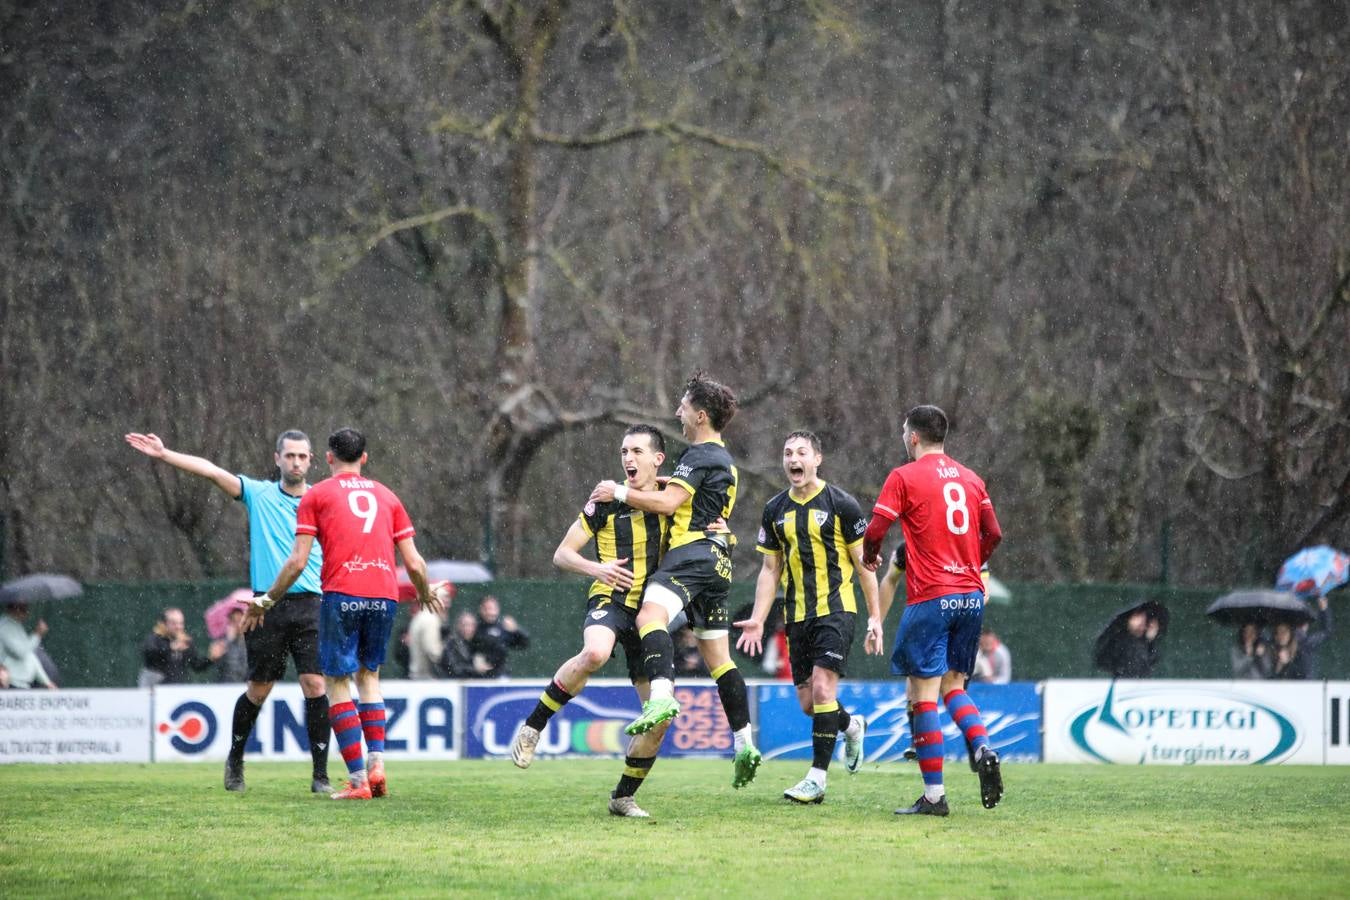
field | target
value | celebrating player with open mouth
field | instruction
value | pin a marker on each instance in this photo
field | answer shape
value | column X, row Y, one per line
column 813, row 533
column 695, row 574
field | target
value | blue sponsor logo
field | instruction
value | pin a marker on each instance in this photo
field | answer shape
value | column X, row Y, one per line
column 1011, row 714
column 191, row 727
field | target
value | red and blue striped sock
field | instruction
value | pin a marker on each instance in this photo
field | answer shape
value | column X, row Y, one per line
column 928, row 743
column 347, row 730
column 967, row 718
column 372, row 723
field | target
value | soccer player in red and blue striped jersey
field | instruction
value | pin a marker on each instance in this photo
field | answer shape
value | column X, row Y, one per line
column 950, row 533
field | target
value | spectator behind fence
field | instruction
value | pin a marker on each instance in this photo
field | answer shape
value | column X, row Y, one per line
column 688, row 659
column 167, row 653
column 1310, row 641
column 232, row 664
column 1132, row 652
column 1250, row 653
column 1289, row 661
column 499, row 630
column 463, row 656
column 427, row 633
column 18, row 648
column 993, row 661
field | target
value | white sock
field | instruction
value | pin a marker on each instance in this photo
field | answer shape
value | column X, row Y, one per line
column 357, row 778
column 817, row 775
column 742, row 739
column 662, row 687
column 934, row 792
column 373, row 757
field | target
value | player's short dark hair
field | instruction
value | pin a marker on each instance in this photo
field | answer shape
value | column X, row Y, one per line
column 929, row 423
column 657, row 441
column 292, row 435
column 712, row 397
column 347, row 444
column 808, row 436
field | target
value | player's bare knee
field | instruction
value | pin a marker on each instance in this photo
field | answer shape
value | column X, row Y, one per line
column 311, row 685
column 258, row 691
column 590, row 659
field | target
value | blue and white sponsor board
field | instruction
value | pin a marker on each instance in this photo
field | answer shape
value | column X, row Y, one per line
column 192, row 722
column 591, row 724
column 1184, row 722
column 97, row 725
column 1011, row 713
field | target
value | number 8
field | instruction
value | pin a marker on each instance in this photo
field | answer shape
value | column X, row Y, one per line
column 367, row 508
column 955, row 495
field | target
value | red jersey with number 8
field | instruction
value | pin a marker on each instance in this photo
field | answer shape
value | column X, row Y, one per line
column 940, row 504
column 357, row 522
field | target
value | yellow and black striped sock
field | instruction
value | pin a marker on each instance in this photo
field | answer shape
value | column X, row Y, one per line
column 635, row 768
column 735, row 699
column 824, row 733
column 551, row 700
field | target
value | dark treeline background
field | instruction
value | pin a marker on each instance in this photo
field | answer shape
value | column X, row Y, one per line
column 1110, row 238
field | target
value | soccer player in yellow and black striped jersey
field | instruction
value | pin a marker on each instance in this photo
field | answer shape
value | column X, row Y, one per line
column 695, row 574
column 811, row 536
column 628, row 547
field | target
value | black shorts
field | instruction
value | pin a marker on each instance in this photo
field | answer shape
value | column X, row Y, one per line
column 700, row 575
column 290, row 627
column 621, row 620
column 823, row 641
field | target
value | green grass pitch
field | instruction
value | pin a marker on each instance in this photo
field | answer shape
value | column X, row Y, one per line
column 483, row 828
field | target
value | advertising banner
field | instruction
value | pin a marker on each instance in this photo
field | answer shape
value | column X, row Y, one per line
column 1338, row 723
column 1184, row 722
column 192, row 722
column 102, row 725
column 1011, row 713
column 591, row 724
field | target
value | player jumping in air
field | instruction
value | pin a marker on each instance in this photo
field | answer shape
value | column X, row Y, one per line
column 358, row 522
column 814, row 531
column 293, row 629
column 695, row 574
column 950, row 532
column 628, row 547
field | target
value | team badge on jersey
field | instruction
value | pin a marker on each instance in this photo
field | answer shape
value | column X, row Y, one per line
column 821, row 516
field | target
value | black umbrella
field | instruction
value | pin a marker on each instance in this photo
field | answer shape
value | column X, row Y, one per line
column 32, row 588
column 1259, row 607
column 1119, row 624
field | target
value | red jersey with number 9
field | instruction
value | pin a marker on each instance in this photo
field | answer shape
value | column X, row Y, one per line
column 357, row 522
column 938, row 502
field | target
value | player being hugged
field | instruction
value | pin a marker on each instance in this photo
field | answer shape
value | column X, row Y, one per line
column 695, row 574
column 358, row 523
column 812, row 535
column 950, row 532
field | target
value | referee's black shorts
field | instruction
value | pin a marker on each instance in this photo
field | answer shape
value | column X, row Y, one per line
column 291, row 627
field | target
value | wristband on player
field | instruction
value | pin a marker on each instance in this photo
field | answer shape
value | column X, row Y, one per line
column 621, row 493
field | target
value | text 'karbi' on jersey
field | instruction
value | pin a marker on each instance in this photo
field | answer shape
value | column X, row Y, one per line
column 814, row 536
column 621, row 532
column 707, row 473
column 938, row 502
column 357, row 521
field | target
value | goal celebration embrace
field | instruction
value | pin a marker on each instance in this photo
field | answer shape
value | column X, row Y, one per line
column 657, row 545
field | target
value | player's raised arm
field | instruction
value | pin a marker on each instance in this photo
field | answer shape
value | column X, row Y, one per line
column 766, row 585
column 663, row 502
column 153, row 447
column 568, row 558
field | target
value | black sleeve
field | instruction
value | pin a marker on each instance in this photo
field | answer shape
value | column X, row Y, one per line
column 851, row 518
